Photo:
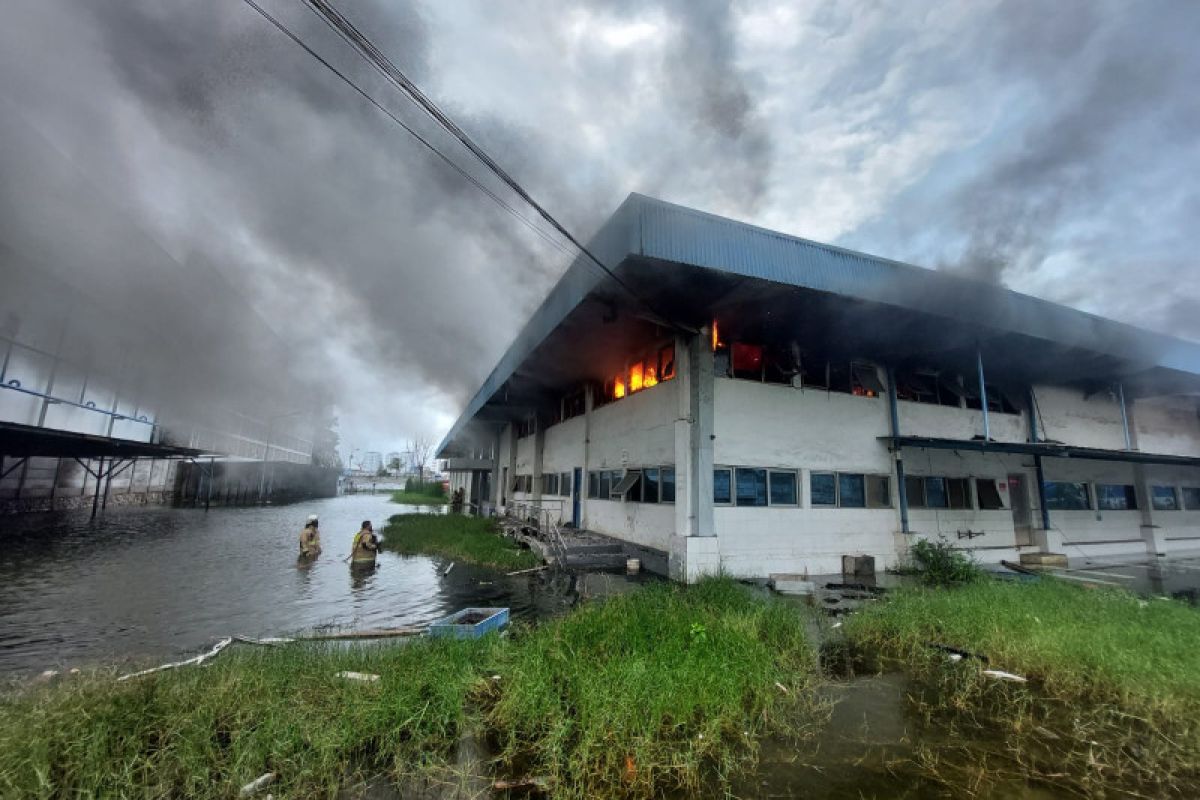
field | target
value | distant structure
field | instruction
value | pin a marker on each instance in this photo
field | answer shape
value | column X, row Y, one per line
column 753, row 403
column 372, row 461
column 127, row 376
column 393, row 458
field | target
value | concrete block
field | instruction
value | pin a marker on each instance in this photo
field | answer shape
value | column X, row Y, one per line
column 858, row 566
column 1044, row 559
column 789, row 583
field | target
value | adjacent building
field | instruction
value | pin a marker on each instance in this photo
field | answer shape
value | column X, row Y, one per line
column 756, row 403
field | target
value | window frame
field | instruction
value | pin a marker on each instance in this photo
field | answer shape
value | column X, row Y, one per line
column 887, row 490
column 995, row 482
column 1194, row 493
column 1175, row 504
column 811, row 495
column 662, row 470
column 967, row 499
column 1089, row 502
column 730, row 493
column 771, row 472
column 1128, row 494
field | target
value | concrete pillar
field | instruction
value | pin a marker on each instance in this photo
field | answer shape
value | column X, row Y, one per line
column 539, row 443
column 510, row 431
column 694, row 547
column 495, row 491
column 589, row 402
column 1151, row 534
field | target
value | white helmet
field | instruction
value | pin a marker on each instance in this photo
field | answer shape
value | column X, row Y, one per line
column 312, row 517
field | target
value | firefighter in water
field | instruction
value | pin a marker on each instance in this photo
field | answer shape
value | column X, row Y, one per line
column 310, row 538
column 366, row 545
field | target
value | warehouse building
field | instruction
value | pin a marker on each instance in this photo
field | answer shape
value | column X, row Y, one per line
column 756, row 403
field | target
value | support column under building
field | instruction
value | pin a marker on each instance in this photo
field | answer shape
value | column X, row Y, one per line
column 897, row 452
column 695, row 550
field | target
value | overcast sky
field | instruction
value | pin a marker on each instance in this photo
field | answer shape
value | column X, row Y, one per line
column 1050, row 146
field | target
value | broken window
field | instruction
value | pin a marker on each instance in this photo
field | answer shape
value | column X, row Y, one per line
column 1116, row 497
column 650, row 485
column 1066, row 496
column 1191, row 498
column 526, row 427
column 865, row 380
column 839, row 377
column 814, row 372
column 958, row 492
column 747, row 361
column 629, row 486
column 751, row 486
column 722, row 486
column 667, row 485
column 987, row 492
column 666, row 363
column 822, row 487
column 915, row 387
column 573, row 405
column 879, row 494
column 852, row 491
column 1164, row 498
column 951, row 391
column 782, row 485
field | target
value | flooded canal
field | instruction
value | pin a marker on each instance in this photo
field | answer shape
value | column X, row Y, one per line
column 153, row 583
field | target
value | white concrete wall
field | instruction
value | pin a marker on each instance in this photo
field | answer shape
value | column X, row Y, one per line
column 1169, row 425
column 1066, row 416
column 635, row 431
column 947, row 422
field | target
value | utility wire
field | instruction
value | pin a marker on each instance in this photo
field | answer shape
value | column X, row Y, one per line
column 376, row 58
column 417, row 136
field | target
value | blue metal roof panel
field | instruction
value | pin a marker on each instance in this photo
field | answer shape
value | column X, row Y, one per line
column 657, row 229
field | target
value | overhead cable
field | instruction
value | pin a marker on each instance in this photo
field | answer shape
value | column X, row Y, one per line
column 413, row 133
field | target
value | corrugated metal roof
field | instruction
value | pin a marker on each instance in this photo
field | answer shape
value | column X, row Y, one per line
column 644, row 226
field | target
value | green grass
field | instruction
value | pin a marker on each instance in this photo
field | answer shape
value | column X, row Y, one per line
column 205, row 732
column 410, row 499
column 628, row 698
column 458, row 537
column 1116, row 676
column 653, row 691
column 421, row 493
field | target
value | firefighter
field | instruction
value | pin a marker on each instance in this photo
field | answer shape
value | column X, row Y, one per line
column 310, row 538
column 366, row 544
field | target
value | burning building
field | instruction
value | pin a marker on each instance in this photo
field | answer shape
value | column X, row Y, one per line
column 756, row 403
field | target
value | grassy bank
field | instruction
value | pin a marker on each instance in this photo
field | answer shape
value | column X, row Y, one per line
column 421, row 493
column 206, row 732
column 629, row 698
column 1120, row 676
column 458, row 537
column 647, row 692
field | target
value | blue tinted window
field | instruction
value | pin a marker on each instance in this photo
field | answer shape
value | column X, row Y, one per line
column 935, row 493
column 1164, row 498
column 650, row 485
column 823, row 488
column 852, row 491
column 722, row 490
column 751, row 487
column 668, row 485
column 1063, row 496
column 783, row 488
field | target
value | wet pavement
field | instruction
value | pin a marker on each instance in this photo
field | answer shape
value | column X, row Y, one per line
column 155, row 583
column 1176, row 576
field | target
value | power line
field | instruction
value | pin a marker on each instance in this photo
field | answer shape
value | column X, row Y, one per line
column 375, row 57
column 370, row 53
column 417, row 136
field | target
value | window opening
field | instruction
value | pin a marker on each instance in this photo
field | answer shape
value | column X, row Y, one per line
column 650, row 485
column 851, row 490
column 1164, row 498
column 958, row 493
column 823, row 488
column 667, row 485
column 629, row 484
column 879, row 494
column 865, row 381
column 751, row 486
column 1191, row 498
column 935, row 493
column 782, row 486
column 1116, row 497
column 914, row 491
column 722, row 486
column 1066, row 496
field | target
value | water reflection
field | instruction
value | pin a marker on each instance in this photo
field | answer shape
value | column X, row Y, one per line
column 157, row 582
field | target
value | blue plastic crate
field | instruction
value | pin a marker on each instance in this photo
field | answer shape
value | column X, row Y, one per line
column 470, row 623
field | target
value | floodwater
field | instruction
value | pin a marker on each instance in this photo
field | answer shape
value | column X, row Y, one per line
column 146, row 584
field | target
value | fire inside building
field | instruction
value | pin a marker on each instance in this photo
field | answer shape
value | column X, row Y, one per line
column 755, row 403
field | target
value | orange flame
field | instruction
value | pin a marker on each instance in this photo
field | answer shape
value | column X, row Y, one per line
column 716, row 337
column 636, row 377
column 618, row 388
column 651, row 378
